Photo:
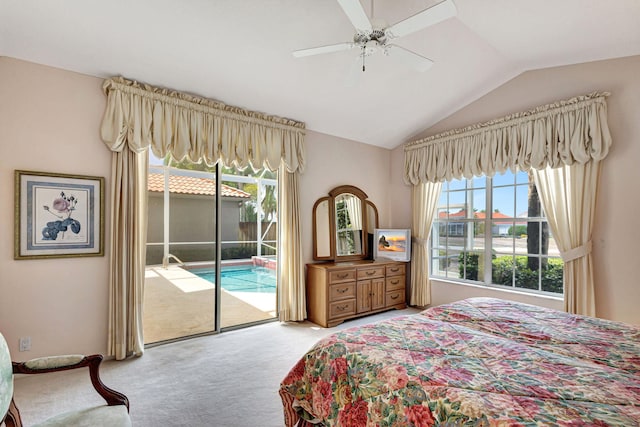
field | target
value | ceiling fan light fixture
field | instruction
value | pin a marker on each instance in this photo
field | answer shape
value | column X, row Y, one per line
column 370, row 47
column 372, row 35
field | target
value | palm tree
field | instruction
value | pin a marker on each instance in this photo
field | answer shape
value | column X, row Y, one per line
column 537, row 240
column 270, row 202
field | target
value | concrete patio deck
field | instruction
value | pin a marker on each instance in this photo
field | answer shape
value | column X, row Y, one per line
column 178, row 303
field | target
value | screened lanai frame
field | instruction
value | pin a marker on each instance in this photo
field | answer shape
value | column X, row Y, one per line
column 261, row 182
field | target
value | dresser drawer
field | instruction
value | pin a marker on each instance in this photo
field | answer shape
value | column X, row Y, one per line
column 395, row 283
column 395, row 298
column 342, row 308
column 342, row 276
column 342, row 291
column 395, row 270
column 370, row 273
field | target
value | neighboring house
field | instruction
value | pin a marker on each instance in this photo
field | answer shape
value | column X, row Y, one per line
column 457, row 228
column 192, row 211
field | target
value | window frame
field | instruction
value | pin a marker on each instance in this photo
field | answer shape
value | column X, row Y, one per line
column 486, row 248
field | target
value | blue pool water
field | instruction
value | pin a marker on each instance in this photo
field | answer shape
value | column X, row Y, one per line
column 240, row 278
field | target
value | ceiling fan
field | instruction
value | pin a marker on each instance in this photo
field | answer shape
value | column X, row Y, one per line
column 375, row 37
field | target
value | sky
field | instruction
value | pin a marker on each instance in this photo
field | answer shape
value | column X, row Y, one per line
column 503, row 194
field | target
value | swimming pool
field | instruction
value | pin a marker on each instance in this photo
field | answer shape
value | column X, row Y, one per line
column 241, row 278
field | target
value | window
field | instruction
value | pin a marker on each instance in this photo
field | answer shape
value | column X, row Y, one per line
column 347, row 238
column 493, row 231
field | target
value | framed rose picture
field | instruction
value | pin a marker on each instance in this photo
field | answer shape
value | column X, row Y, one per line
column 58, row 215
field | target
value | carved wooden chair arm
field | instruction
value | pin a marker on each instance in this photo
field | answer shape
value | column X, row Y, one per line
column 63, row 363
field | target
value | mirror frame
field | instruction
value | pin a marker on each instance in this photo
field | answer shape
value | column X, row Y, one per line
column 366, row 221
column 332, row 243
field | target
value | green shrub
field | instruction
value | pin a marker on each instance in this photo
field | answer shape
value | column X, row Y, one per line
column 470, row 260
column 246, row 251
column 239, row 252
column 502, row 270
column 552, row 279
column 519, row 230
column 198, row 253
column 525, row 278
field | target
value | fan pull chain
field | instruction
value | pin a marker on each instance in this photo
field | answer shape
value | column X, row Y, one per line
column 363, row 56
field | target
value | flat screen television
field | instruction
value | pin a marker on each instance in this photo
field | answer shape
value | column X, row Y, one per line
column 392, row 243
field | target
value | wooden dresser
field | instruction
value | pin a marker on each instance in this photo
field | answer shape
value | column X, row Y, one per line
column 340, row 291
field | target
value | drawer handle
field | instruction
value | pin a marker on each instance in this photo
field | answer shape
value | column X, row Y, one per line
column 395, row 282
column 394, row 269
column 395, row 296
column 342, row 291
column 343, row 275
column 370, row 273
column 342, row 307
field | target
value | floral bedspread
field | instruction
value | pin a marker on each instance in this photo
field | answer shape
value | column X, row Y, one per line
column 477, row 362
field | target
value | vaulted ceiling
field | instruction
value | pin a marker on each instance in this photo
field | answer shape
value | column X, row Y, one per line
column 239, row 52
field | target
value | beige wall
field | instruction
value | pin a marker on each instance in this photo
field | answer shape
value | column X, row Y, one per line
column 616, row 238
column 49, row 121
column 335, row 161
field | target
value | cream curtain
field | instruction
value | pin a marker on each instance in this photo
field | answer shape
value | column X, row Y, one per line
column 570, row 137
column 127, row 253
column 568, row 196
column 354, row 208
column 139, row 116
column 552, row 135
column 291, row 290
column 198, row 128
column 425, row 198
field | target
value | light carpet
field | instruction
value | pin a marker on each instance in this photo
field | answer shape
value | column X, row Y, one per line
column 230, row 379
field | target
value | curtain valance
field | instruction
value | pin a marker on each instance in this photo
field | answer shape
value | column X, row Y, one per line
column 139, row 115
column 557, row 134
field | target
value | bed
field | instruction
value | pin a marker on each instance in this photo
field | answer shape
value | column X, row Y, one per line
column 476, row 362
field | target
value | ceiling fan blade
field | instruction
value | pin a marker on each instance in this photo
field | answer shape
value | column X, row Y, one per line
column 323, row 49
column 354, row 11
column 410, row 58
column 433, row 15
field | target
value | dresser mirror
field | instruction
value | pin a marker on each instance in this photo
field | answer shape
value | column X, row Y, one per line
column 343, row 225
column 321, row 226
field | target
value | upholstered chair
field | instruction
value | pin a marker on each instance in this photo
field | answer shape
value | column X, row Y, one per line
column 114, row 413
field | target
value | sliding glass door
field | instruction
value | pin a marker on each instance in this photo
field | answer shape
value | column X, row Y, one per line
column 189, row 207
column 181, row 233
column 248, row 248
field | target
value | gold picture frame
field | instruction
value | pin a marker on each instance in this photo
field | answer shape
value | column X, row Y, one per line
column 58, row 215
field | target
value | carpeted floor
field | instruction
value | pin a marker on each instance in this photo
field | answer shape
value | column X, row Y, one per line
column 230, row 379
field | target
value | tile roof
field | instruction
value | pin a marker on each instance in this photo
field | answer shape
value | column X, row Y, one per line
column 191, row 185
column 480, row 215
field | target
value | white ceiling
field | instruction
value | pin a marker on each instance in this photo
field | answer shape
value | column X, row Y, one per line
column 239, row 52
